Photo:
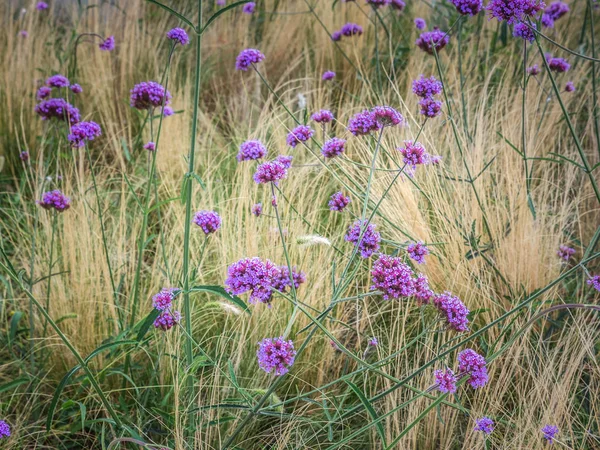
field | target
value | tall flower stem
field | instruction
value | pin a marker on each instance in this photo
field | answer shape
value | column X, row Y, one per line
column 523, row 132
column 49, row 284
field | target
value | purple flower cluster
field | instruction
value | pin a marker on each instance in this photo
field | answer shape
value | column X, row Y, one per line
column 249, row 8
column 247, row 58
column 363, row 123
column 163, row 300
column 253, row 275
column 338, row 202
column 209, row 221
column 533, row 70
column 282, row 281
column 57, row 81
column 108, row 44
column 4, row 429
column 43, row 92
column 446, row 381
column 148, row 95
column 285, row 160
column 549, row 432
column 178, row 36
column 423, row 292
column 328, row 75
column 468, row 7
column 167, row 320
column 414, row 154
column 420, row 23
column 168, row 111
column 454, row 311
column 398, row 5
column 430, row 40
column 417, row 251
column 554, row 12
column 83, row 132
column 594, row 282
column 430, row 107
column 251, row 150
column 270, row 172
column 565, row 252
column 485, row 425
column 76, row 89
column 391, row 276
column 55, row 200
column 513, row 11
column 386, row 116
column 333, row 147
column 558, row 65
column 24, row 156
column 41, row 6
column 323, row 116
column 150, row 146
column 472, row 363
column 257, row 209
column 370, row 238
column 427, row 87
column 301, row 133
column 59, row 109
column 570, row 87
column 275, row 354
column 349, row 29
column 522, row 30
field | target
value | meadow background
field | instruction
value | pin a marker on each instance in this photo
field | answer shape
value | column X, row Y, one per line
column 509, row 191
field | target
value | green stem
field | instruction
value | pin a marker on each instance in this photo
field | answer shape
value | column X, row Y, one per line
column 49, row 285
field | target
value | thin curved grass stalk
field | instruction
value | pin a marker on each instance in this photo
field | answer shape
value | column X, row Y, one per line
column 49, row 284
column 523, row 132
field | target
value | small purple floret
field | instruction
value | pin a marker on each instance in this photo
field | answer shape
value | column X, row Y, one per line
column 275, row 354
column 369, row 243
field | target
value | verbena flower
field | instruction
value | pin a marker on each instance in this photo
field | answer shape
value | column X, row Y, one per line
column 276, row 354
column 251, row 150
column 336, row 36
column 164, row 299
column 150, row 146
column 257, row 209
column 83, row 132
column 247, row 58
column 55, row 200
column 378, row 3
column 41, row 6
column 209, row 221
column 392, row 277
column 323, row 116
column 468, row 7
column 178, row 36
column 328, row 75
column 373, row 342
column 386, row 116
column 423, row 292
column 472, row 363
column 446, row 381
column 24, row 156
column 167, row 320
column 533, row 70
column 369, row 243
column 558, row 64
column 430, row 107
column 513, row 11
column 108, row 44
column 556, row 10
column 523, row 31
column 565, row 252
column 282, row 281
column 252, row 275
column 417, row 252
column 43, row 92
column 549, row 433
column 363, row 123
column 429, row 40
column 594, row 282
column 414, row 153
column 547, row 21
column 351, row 29
column 23, row 33
column 57, row 81
column 168, row 111
column 76, row 89
column 570, row 86
column 427, row 87
column 285, row 160
column 301, row 133
column 59, row 109
column 270, row 172
column 148, row 95
column 249, row 8
column 420, row 23
column 338, row 202
column 485, row 424
column 333, row 147
column 454, row 311
column 398, row 5
column 221, row 2
column 4, row 429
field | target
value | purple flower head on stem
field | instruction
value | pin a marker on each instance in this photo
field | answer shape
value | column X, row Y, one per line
column 55, row 200
column 43, row 92
column 420, row 23
column 386, row 116
column 247, row 58
column 549, row 433
column 565, row 252
column 429, row 40
column 221, row 2
column 547, row 21
column 333, row 147
column 468, row 7
column 570, row 86
column 24, row 156
column 414, row 153
column 363, row 123
column 163, row 299
column 336, row 36
column 59, row 109
column 533, row 70
column 108, row 44
column 168, row 111
column 251, row 150
column 513, row 11
column 373, row 342
column 453, row 310
column 301, row 133
column 150, row 146
column 276, row 354
column 472, row 363
column 430, row 107
column 270, row 172
column 417, row 252
column 338, row 202
column 23, row 33
column 369, row 243
column 178, row 36
column 351, row 29
column 423, row 292
column 83, row 132
column 252, row 275
column 558, row 65
column 446, row 381
column 594, row 282
column 392, row 277
column 4, row 429
column 257, row 209
column 323, row 116
column 378, row 3
column 328, row 75
column 167, row 320
column 485, row 425
column 41, row 6
column 76, row 89
column 426, row 87
column 398, row 5
column 556, row 10
column 522, row 30
column 249, row 8
column 149, row 95
column 285, row 160
column 57, row 81
column 209, row 221
column 282, row 282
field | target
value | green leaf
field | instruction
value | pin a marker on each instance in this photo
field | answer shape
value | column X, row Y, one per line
column 150, row 318
column 219, row 12
column 14, row 326
column 175, row 13
column 125, row 149
column 221, row 292
column 365, row 401
column 13, row 384
column 57, row 392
